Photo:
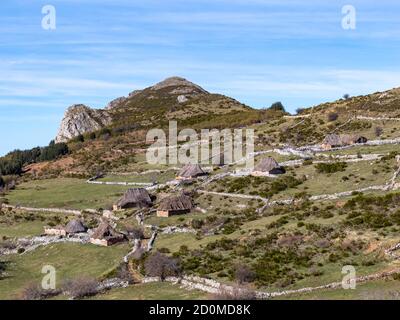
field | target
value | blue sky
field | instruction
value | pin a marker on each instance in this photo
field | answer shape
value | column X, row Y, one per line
column 257, row 51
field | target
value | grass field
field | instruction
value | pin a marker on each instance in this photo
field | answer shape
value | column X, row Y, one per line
column 65, row 193
column 22, row 229
column 70, row 261
column 142, row 178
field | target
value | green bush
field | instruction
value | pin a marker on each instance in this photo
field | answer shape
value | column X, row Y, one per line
column 331, row 167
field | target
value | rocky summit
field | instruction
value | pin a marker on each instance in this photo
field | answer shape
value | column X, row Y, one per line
column 79, row 119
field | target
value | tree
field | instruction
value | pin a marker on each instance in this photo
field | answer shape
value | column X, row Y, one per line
column 277, row 106
column 243, row 274
column 346, row 96
column 333, row 116
column 160, row 265
column 14, row 161
column 1, row 182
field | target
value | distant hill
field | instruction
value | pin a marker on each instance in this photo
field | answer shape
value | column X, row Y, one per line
column 113, row 138
column 172, row 99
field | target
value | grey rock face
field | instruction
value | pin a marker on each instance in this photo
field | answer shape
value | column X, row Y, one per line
column 79, row 119
column 182, row 99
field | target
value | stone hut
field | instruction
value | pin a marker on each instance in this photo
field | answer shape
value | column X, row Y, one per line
column 268, row 166
column 134, row 198
column 75, row 226
column 349, row 139
column 55, row 231
column 336, row 141
column 175, row 205
column 106, row 235
column 190, row 171
column 332, row 141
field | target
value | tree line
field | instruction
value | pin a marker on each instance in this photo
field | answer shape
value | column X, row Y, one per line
column 13, row 162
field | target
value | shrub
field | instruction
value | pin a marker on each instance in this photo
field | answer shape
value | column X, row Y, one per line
column 277, row 106
column 346, row 96
column 243, row 274
column 160, row 265
column 35, row 292
column 378, row 131
column 197, row 223
column 81, row 287
column 331, row 167
column 333, row 116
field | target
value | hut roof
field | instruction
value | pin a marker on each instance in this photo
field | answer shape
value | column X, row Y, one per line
column 181, row 202
column 191, row 170
column 75, row 226
column 138, row 196
column 104, row 231
column 351, row 138
column 266, row 165
column 333, row 140
column 342, row 140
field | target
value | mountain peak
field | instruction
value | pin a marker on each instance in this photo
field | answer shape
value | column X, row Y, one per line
column 178, row 82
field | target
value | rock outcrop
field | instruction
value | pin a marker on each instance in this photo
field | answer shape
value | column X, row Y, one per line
column 79, row 119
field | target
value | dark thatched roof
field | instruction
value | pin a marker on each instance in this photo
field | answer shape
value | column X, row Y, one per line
column 173, row 203
column 191, row 170
column 333, row 140
column 75, row 226
column 137, row 197
column 343, row 140
column 266, row 165
column 352, row 138
column 105, row 231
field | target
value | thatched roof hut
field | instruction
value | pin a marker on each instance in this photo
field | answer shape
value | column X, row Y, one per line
column 349, row 139
column 75, row 226
column 334, row 140
column 173, row 205
column 191, row 171
column 106, row 235
column 269, row 165
column 180, row 202
column 134, row 198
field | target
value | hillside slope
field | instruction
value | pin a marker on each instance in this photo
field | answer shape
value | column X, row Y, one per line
column 172, row 99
